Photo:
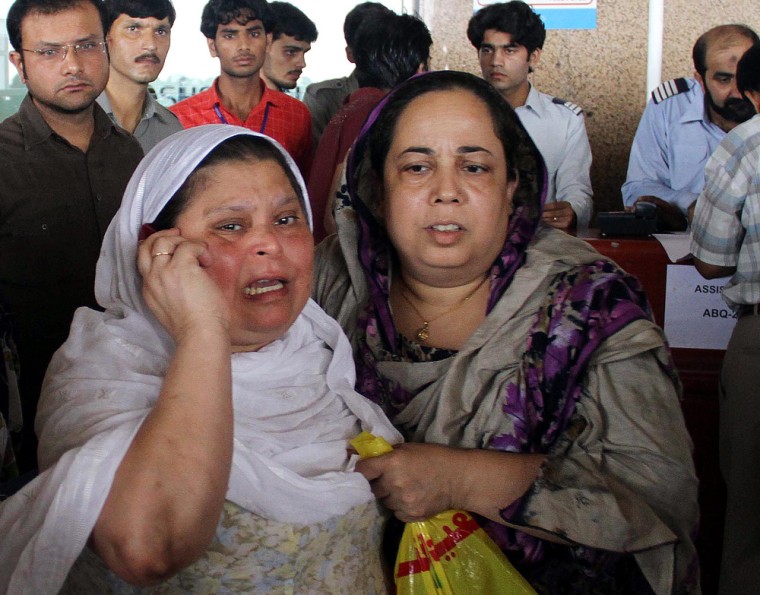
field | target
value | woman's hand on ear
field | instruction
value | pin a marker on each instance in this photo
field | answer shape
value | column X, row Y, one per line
column 176, row 288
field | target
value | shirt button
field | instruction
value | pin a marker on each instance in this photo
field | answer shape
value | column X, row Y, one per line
column 44, row 227
column 98, row 198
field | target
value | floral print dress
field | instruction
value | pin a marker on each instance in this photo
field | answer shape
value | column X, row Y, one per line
column 250, row 554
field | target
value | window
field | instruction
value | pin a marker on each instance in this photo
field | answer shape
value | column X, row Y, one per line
column 189, row 68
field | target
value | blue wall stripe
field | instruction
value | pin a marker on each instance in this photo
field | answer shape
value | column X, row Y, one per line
column 568, row 18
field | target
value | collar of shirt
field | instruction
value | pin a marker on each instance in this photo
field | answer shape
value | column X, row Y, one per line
column 149, row 109
column 212, row 98
column 695, row 110
column 352, row 81
column 36, row 130
column 534, row 103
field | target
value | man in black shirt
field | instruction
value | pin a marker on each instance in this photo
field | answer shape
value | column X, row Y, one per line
column 65, row 167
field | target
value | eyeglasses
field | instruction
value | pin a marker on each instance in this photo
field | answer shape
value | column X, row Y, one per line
column 83, row 49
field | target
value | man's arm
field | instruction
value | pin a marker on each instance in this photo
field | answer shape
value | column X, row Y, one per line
column 649, row 170
column 573, row 179
column 717, row 232
column 712, row 271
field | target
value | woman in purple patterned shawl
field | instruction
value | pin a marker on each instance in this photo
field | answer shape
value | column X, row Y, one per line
column 524, row 369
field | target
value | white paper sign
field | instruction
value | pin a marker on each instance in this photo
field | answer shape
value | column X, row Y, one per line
column 696, row 317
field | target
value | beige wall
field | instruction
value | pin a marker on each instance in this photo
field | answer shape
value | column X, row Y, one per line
column 602, row 70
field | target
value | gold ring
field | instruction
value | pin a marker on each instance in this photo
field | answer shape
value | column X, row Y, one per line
column 161, row 254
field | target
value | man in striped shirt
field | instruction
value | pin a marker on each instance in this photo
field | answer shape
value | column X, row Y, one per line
column 725, row 241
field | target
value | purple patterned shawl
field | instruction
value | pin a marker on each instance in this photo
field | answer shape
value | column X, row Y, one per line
column 585, row 307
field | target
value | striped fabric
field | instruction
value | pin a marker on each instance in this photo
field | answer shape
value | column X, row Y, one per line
column 573, row 107
column 670, row 88
column 726, row 226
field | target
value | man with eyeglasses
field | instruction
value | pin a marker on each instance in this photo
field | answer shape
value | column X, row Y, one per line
column 139, row 35
column 509, row 37
column 65, row 166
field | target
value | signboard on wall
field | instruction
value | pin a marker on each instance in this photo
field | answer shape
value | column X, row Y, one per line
column 558, row 14
column 696, row 317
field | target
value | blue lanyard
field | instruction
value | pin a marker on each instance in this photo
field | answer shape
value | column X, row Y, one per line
column 223, row 120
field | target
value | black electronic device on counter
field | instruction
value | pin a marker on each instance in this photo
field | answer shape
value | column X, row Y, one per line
column 642, row 221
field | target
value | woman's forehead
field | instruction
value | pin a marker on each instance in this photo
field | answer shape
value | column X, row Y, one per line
column 241, row 173
column 252, row 178
column 456, row 118
column 457, row 97
column 446, row 111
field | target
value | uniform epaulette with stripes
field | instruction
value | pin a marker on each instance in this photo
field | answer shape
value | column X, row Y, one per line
column 576, row 109
column 670, row 88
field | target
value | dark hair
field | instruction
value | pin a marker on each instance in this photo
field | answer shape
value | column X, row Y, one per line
column 140, row 9
column 21, row 8
column 729, row 34
column 389, row 48
column 240, row 148
column 289, row 20
column 524, row 162
column 748, row 71
column 516, row 18
column 356, row 16
column 223, row 12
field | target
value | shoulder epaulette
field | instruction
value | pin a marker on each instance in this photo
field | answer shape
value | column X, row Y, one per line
column 576, row 109
column 670, row 88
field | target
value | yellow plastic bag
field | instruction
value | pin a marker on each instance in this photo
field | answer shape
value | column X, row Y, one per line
column 448, row 554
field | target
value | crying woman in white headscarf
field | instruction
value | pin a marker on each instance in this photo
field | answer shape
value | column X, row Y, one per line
column 194, row 434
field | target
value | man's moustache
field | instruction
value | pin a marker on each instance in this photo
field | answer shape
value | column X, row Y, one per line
column 153, row 57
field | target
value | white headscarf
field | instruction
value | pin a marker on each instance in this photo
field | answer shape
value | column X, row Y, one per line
column 294, row 403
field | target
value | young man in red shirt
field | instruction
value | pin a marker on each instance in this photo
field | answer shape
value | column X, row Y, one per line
column 238, row 32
